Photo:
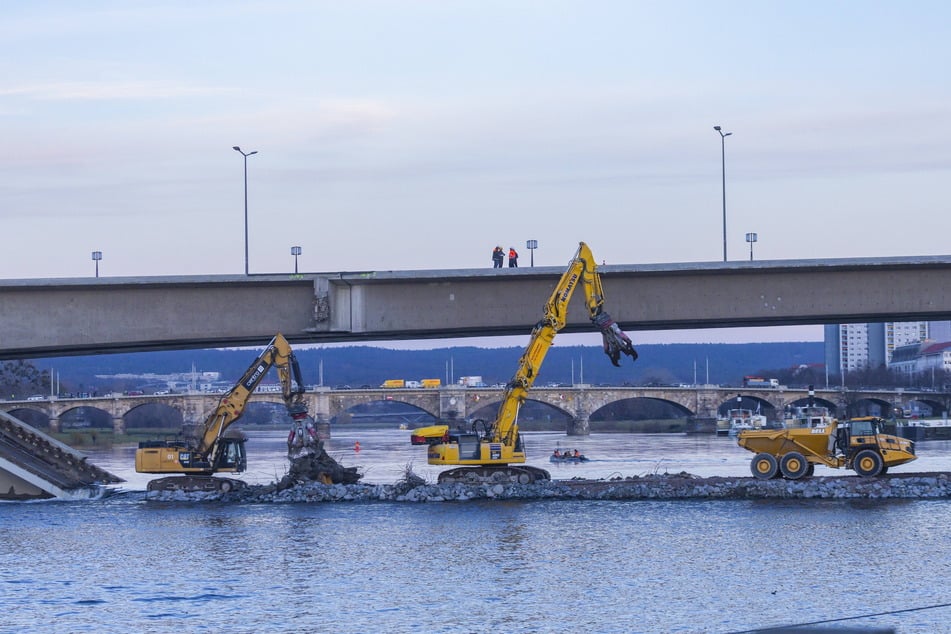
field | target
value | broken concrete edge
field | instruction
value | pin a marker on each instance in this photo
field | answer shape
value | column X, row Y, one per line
column 36, row 466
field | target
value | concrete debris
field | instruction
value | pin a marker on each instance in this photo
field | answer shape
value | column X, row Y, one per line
column 310, row 462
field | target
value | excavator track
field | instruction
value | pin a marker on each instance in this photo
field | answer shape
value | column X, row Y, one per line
column 191, row 484
column 503, row 474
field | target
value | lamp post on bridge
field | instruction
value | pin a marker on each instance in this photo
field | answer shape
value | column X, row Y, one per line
column 751, row 238
column 96, row 256
column 531, row 245
column 238, row 149
column 723, row 136
column 295, row 251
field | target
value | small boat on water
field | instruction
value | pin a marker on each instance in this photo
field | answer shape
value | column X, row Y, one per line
column 737, row 420
column 566, row 457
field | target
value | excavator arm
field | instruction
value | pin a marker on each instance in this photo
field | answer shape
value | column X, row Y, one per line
column 212, row 452
column 497, row 454
column 581, row 270
column 231, row 407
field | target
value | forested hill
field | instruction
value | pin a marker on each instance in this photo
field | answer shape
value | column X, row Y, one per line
column 363, row 365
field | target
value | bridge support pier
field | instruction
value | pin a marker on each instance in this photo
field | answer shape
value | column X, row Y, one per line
column 118, row 425
column 452, row 403
column 579, row 426
column 54, row 424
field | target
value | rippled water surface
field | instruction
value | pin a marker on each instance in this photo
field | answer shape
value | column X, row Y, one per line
column 124, row 564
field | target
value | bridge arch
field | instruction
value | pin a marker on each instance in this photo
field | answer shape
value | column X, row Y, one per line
column 384, row 410
column 769, row 405
column 806, row 401
column 533, row 411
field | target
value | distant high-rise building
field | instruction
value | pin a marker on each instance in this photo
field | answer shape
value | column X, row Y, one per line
column 851, row 347
column 939, row 331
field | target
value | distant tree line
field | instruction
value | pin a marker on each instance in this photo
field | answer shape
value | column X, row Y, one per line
column 22, row 379
column 659, row 364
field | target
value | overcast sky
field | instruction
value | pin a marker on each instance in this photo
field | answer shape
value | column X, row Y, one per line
column 400, row 135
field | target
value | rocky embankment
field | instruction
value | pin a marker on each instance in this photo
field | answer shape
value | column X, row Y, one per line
column 650, row 487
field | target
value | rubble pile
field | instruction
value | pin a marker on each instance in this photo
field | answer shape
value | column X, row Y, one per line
column 310, row 462
column 318, row 466
column 656, row 487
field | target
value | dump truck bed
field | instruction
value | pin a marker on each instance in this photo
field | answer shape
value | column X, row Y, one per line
column 812, row 442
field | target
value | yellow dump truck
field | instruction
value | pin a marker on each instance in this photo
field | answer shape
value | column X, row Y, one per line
column 856, row 444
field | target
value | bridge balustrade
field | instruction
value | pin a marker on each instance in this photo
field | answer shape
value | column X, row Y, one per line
column 459, row 402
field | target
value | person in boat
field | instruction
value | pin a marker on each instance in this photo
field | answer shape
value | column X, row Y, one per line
column 577, row 454
column 557, row 454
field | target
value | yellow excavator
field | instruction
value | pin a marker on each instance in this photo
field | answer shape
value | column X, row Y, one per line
column 487, row 455
column 216, row 449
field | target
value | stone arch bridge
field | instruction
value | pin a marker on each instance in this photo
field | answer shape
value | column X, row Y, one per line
column 459, row 402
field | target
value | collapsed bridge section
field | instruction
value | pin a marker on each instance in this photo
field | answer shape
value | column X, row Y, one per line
column 35, row 466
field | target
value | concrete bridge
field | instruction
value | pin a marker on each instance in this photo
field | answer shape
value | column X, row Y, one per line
column 40, row 318
column 577, row 403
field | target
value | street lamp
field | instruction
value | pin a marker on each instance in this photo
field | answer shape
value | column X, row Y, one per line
column 295, row 251
column 751, row 238
column 723, row 136
column 238, row 149
column 531, row 245
column 96, row 256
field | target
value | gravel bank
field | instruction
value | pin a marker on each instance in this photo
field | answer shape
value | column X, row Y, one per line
column 653, row 487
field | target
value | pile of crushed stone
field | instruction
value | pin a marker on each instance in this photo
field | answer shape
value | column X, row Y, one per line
column 654, row 487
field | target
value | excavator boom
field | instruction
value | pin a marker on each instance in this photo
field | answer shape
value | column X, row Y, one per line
column 487, row 455
column 214, row 450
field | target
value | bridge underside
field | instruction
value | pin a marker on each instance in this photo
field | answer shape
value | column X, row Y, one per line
column 89, row 316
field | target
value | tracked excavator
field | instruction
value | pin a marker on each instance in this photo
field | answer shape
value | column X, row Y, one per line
column 495, row 452
column 194, row 459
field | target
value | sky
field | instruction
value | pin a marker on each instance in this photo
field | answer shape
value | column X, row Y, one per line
column 407, row 135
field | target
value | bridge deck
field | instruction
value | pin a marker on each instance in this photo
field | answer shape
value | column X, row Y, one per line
column 89, row 316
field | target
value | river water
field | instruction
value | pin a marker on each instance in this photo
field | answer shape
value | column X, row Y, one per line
column 125, row 564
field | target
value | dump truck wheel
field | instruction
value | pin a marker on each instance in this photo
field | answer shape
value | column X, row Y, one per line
column 867, row 463
column 764, row 466
column 811, row 469
column 793, row 465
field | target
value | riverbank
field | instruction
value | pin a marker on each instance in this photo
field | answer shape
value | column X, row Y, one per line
column 649, row 487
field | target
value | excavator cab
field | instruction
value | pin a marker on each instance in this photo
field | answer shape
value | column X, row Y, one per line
column 233, row 456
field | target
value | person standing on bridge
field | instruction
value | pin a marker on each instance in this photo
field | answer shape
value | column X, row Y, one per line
column 497, row 256
column 513, row 258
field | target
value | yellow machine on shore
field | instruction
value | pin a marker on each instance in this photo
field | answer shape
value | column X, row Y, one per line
column 214, row 450
column 486, row 455
column 856, row 444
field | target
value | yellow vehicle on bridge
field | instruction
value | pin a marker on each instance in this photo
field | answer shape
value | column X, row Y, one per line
column 856, row 444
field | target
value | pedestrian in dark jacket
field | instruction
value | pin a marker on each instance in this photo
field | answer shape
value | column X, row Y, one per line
column 497, row 256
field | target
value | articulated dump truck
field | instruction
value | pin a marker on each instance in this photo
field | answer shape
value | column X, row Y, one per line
column 856, row 444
